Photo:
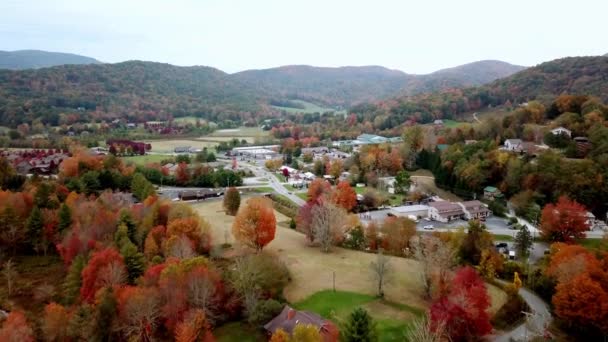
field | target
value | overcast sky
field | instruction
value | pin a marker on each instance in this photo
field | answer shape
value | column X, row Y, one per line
column 414, row 36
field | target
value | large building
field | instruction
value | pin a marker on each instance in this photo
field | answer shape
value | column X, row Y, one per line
column 367, row 139
column 261, row 152
column 444, row 211
column 474, row 210
column 418, row 210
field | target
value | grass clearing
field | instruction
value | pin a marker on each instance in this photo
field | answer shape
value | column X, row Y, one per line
column 147, row 159
column 238, row 332
column 169, row 145
column 454, row 124
column 303, row 195
column 263, row 189
column 391, row 318
column 424, row 181
column 309, row 108
column 503, row 237
column 240, row 132
column 593, row 244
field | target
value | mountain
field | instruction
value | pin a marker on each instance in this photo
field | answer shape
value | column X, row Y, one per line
column 330, row 86
column 33, row 59
column 467, row 75
column 146, row 90
column 544, row 82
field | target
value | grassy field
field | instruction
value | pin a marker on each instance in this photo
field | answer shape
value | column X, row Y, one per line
column 454, row 124
column 240, row 132
column 425, row 182
column 313, row 271
column 594, row 244
column 393, row 199
column 238, row 332
column 147, row 159
column 391, row 318
column 309, row 108
column 169, row 145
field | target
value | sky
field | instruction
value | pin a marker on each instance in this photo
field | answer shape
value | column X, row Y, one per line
column 232, row 35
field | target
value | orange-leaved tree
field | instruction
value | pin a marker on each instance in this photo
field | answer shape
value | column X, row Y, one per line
column 563, row 221
column 255, row 223
column 345, row 196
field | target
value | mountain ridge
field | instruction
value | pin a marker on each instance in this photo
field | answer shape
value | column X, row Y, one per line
column 35, row 59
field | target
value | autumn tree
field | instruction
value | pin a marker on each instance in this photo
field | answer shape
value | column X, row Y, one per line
column 16, row 329
column 436, row 259
column 232, row 201
column 422, row 330
column 9, row 272
column 65, row 217
column 306, row 333
column 105, row 315
column 194, row 328
column 328, row 224
column 106, row 268
column 397, row 232
column 141, row 187
column 54, row 322
column 255, row 223
column 182, row 174
column 344, row 196
column 73, row 280
column 138, row 312
column 564, row 221
column 304, row 220
column 279, row 336
column 194, row 229
column 464, row 309
column 360, row 326
column 12, row 229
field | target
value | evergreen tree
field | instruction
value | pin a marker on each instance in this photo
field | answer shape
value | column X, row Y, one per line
column 73, row 280
column 81, row 324
column 134, row 261
column 232, row 201
column 402, row 182
column 65, row 217
column 523, row 242
column 127, row 220
column 211, row 157
column 34, row 225
column 360, row 327
column 104, row 316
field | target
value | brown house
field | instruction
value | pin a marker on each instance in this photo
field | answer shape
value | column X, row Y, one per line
column 289, row 318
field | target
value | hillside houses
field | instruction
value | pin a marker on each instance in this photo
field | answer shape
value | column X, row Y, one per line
column 43, row 162
column 366, row 139
column 561, row 131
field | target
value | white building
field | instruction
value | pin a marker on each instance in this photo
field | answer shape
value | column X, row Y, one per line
column 444, row 211
column 474, row 210
column 418, row 210
column 513, row 145
column 561, row 130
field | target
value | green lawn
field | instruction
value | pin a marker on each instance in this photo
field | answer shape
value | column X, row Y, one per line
column 503, row 237
column 240, row 132
column 147, row 159
column 309, row 108
column 391, row 318
column 238, row 332
column 303, row 195
column 453, row 124
column 393, row 199
column 263, row 189
column 595, row 244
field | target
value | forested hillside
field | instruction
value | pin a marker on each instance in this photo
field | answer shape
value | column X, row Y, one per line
column 33, row 59
column 148, row 91
column 573, row 75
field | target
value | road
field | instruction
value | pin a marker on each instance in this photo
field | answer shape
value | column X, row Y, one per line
column 538, row 320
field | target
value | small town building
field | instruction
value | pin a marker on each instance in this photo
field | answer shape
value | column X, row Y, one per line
column 561, row 131
column 444, row 211
column 182, row 149
column 513, row 145
column 470, row 142
column 419, row 211
column 438, row 122
column 474, row 210
column 289, row 318
column 491, row 193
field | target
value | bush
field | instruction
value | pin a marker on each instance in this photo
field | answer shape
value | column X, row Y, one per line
column 508, row 270
column 498, row 209
column 264, row 311
column 510, row 314
column 543, row 286
column 356, row 239
column 292, row 223
column 512, row 220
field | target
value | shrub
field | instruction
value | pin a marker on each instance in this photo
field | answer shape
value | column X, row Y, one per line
column 510, row 314
column 264, row 311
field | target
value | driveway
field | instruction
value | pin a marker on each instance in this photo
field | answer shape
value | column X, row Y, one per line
column 538, row 320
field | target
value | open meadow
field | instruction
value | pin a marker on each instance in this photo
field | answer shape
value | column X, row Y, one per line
column 309, row 108
column 313, row 271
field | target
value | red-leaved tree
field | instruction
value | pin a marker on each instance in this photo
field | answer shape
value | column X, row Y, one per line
column 255, row 223
column 16, row 329
column 106, row 268
column 564, row 221
column 464, row 309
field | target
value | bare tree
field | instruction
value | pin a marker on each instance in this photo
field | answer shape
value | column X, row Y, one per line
column 201, row 291
column 245, row 281
column 380, row 271
column 180, row 247
column 141, row 314
column 328, row 224
column 436, row 259
column 112, row 274
column 10, row 273
column 422, row 331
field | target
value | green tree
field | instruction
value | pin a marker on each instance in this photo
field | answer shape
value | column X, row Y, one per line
column 360, row 327
column 141, row 187
column 90, row 182
column 105, row 314
column 65, row 217
column 211, row 157
column 73, row 280
column 134, row 261
column 523, row 242
column 42, row 198
column 402, row 182
column 34, row 226
column 81, row 324
column 232, row 201
column 126, row 220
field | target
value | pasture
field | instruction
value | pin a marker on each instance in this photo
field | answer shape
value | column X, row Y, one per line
column 169, row 145
column 147, row 159
column 313, row 271
column 309, row 108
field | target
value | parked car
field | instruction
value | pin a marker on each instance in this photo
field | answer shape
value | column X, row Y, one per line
column 429, row 227
column 502, row 245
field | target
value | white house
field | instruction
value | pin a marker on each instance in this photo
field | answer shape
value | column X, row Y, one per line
column 444, row 211
column 474, row 210
column 513, row 145
column 561, row 130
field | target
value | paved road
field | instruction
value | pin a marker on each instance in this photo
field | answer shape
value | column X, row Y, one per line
column 538, row 319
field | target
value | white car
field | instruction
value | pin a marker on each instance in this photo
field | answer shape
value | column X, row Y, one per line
column 428, row 227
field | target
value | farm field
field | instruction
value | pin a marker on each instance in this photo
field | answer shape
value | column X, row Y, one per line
column 168, row 145
column 239, row 132
column 312, row 271
column 309, row 108
column 147, row 159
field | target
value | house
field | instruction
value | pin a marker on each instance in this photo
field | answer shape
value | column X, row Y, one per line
column 583, row 146
column 438, row 122
column 561, row 131
column 289, row 318
column 372, row 139
column 591, row 220
column 444, row 211
column 491, row 193
column 513, row 145
column 470, row 142
column 182, row 149
column 474, row 210
column 418, row 210
column 309, row 176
